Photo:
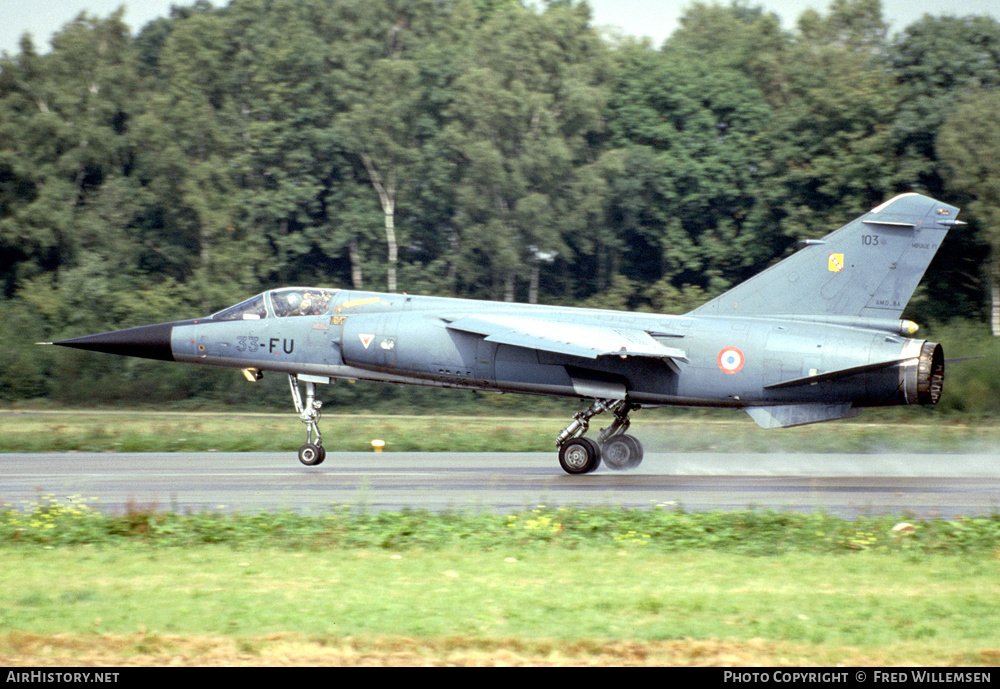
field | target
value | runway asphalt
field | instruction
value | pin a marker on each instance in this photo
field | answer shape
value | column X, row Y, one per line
column 848, row 486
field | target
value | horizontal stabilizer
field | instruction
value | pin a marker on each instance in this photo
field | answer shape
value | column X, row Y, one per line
column 786, row 415
column 559, row 337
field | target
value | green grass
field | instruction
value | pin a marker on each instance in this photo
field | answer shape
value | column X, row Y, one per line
column 760, row 584
column 866, row 600
column 660, row 430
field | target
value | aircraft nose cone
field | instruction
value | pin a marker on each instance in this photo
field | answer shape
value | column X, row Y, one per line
column 147, row 342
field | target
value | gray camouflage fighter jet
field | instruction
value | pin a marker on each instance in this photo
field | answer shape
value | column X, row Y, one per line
column 815, row 337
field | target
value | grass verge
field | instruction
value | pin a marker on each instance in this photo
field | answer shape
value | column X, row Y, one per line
column 660, row 430
column 149, row 605
column 543, row 586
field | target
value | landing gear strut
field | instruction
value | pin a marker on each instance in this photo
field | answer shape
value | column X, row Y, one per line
column 312, row 453
column 579, row 455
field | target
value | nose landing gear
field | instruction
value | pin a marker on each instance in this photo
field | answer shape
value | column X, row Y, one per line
column 580, row 455
column 312, row 453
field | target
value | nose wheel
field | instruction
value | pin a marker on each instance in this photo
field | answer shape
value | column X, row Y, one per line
column 312, row 453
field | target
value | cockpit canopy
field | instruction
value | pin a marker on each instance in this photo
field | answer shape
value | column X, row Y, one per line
column 280, row 303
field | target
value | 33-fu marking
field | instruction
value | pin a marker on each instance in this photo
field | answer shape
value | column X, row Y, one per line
column 249, row 343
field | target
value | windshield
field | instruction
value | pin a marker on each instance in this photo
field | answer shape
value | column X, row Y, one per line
column 249, row 310
column 292, row 301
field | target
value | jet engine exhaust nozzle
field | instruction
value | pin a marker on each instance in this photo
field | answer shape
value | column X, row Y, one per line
column 924, row 381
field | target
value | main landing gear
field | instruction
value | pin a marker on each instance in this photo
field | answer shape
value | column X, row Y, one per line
column 312, row 453
column 580, row 455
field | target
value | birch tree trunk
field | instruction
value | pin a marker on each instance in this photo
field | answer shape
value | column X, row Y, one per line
column 387, row 197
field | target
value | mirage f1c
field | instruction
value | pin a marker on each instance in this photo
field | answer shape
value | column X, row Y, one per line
column 818, row 336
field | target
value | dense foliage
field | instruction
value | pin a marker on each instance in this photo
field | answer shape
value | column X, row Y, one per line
column 475, row 148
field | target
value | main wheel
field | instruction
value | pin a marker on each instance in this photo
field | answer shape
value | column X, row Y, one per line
column 579, row 456
column 311, row 455
column 622, row 452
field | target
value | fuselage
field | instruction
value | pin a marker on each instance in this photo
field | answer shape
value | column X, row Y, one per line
column 731, row 361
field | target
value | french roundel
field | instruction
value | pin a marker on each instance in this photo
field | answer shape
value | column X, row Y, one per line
column 731, row 360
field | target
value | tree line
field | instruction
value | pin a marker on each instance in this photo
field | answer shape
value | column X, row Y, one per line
column 476, row 148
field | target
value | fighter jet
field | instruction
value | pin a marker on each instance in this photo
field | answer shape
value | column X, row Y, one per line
column 818, row 336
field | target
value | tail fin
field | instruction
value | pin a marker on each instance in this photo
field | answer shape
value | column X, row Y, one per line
column 867, row 269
